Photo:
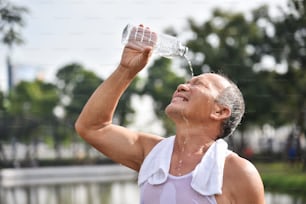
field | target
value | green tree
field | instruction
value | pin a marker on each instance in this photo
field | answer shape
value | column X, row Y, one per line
column 124, row 111
column 75, row 85
column 287, row 46
column 30, row 109
column 11, row 22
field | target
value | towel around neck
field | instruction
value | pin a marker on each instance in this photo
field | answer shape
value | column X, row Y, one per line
column 207, row 177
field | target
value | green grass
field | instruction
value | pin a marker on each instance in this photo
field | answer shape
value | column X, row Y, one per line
column 282, row 177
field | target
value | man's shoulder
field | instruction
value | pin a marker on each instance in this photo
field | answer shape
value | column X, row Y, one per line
column 237, row 166
column 233, row 160
column 245, row 177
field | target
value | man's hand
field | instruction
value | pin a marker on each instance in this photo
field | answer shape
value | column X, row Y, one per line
column 138, row 50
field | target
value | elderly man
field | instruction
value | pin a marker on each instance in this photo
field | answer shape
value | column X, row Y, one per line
column 194, row 166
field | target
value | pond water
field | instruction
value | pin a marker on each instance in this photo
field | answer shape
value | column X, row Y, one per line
column 95, row 191
column 124, row 192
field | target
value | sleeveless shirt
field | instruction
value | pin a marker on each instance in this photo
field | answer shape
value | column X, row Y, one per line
column 200, row 186
column 176, row 190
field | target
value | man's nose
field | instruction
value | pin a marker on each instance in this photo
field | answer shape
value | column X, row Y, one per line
column 182, row 87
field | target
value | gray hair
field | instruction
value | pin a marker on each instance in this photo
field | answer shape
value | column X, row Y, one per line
column 232, row 98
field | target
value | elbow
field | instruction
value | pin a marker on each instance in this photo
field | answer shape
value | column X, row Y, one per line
column 85, row 129
column 80, row 128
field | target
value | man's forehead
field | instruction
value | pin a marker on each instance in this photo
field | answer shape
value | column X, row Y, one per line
column 215, row 79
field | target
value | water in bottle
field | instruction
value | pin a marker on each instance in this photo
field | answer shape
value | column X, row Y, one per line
column 163, row 44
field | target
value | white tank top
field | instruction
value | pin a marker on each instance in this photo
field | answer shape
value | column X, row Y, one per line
column 176, row 190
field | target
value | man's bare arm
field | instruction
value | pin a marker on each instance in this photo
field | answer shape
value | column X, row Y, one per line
column 242, row 181
column 95, row 121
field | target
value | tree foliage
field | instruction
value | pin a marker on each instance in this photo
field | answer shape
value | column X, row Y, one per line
column 265, row 56
column 11, row 20
column 28, row 112
column 124, row 111
column 287, row 45
column 75, row 85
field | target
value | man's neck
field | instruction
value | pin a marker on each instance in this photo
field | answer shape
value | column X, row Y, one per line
column 194, row 139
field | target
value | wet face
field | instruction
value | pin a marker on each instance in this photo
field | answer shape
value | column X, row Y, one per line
column 195, row 100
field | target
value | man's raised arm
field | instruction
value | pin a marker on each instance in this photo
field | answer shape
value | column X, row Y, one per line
column 95, row 121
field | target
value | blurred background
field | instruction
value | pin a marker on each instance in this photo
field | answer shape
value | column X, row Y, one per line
column 53, row 54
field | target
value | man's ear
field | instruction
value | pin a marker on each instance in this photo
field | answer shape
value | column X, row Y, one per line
column 220, row 112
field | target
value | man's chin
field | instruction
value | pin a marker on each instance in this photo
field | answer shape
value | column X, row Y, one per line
column 172, row 110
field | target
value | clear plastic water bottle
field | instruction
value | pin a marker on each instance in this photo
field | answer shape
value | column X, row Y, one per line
column 163, row 45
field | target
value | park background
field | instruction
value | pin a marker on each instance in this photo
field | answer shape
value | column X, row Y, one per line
column 54, row 54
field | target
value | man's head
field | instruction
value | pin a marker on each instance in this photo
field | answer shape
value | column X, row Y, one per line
column 206, row 99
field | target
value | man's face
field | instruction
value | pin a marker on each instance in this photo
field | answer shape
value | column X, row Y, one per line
column 195, row 100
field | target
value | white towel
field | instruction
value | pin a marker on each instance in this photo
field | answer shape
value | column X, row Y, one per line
column 207, row 176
